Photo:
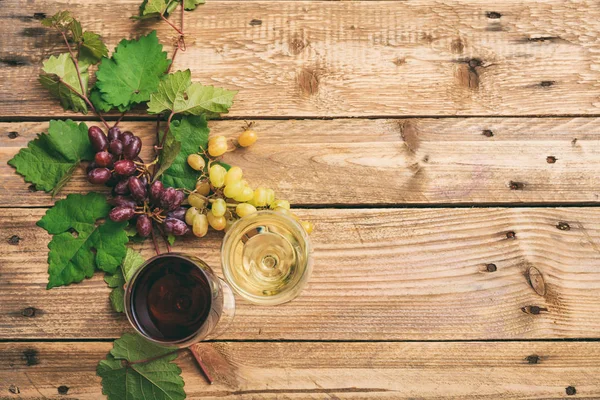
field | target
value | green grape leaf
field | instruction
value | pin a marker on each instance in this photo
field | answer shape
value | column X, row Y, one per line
column 50, row 159
column 133, row 72
column 171, row 6
column 154, row 7
column 177, row 93
column 92, row 48
column 192, row 134
column 171, row 238
column 190, row 5
column 131, row 262
column 79, row 245
column 61, row 20
column 167, row 155
column 99, row 103
column 60, row 78
column 159, row 379
column 117, row 295
column 76, row 31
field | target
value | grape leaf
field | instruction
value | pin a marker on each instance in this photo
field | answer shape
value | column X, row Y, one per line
column 131, row 262
column 117, row 295
column 159, row 379
column 99, row 103
column 192, row 134
column 92, row 48
column 61, row 20
column 177, row 93
column 74, row 256
column 133, row 72
column 49, row 159
column 154, row 7
column 60, row 78
column 167, row 155
column 190, row 5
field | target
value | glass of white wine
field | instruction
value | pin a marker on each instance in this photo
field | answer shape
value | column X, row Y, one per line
column 266, row 258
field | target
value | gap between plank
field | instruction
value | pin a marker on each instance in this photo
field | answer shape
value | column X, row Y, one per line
column 109, row 340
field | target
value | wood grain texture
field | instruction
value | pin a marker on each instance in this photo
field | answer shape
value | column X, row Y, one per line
column 329, row 370
column 370, row 162
column 419, row 274
column 346, row 58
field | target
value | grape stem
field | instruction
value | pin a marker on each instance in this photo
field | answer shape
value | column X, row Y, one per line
column 166, row 239
column 82, row 94
column 155, row 244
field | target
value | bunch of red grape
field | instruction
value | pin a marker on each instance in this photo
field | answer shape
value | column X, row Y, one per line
column 117, row 164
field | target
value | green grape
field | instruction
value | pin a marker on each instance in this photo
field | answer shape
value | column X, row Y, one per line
column 244, row 209
column 233, row 190
column 260, row 197
column 308, row 226
column 203, row 188
column 270, row 196
column 283, row 211
column 217, row 146
column 217, row 223
column 230, row 221
column 190, row 214
column 247, row 138
column 196, row 162
column 233, row 175
column 246, row 195
column 280, row 203
column 218, row 208
column 217, row 175
column 200, row 225
column 197, row 200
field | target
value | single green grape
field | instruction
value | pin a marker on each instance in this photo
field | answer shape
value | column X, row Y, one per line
column 200, row 225
column 190, row 214
column 244, row 209
column 246, row 195
column 280, row 203
column 217, row 223
column 233, row 190
column 197, row 200
column 218, row 208
column 217, row 146
column 203, row 188
column 260, row 197
column 270, row 196
column 233, row 175
column 196, row 162
column 247, row 138
column 217, row 175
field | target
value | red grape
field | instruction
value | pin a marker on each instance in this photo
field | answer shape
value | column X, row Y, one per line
column 179, row 197
column 176, row 227
column 178, row 213
column 156, row 191
column 103, row 159
column 97, row 138
column 116, row 147
column 132, row 149
column 126, row 138
column 121, row 213
column 167, row 200
column 114, row 133
column 137, row 189
column 99, row 176
column 122, row 187
column 123, row 201
column 125, row 167
column 144, row 225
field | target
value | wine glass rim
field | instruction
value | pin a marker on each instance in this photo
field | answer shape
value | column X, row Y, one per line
column 128, row 293
column 255, row 299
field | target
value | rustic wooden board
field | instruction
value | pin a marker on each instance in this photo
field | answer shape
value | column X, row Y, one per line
column 370, row 162
column 516, row 370
column 346, row 58
column 419, row 274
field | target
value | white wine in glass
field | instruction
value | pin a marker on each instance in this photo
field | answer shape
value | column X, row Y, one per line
column 266, row 258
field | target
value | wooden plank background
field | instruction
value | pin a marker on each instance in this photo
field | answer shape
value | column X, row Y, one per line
column 306, row 58
column 496, row 370
column 385, row 122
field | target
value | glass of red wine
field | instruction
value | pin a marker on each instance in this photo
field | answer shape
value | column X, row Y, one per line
column 175, row 299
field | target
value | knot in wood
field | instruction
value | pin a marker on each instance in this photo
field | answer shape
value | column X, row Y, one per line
column 535, row 279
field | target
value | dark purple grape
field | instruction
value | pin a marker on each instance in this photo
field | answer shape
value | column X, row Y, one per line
column 121, row 213
column 167, row 200
column 144, row 225
column 156, row 192
column 138, row 191
column 144, row 180
column 99, row 176
column 103, row 159
column 122, row 187
column 178, row 213
column 132, row 149
column 125, row 167
column 176, row 227
column 114, row 133
column 179, row 197
column 126, row 138
column 116, row 147
column 122, row 201
column 91, row 166
column 97, row 138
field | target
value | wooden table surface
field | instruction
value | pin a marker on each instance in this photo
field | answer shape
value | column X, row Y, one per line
column 448, row 152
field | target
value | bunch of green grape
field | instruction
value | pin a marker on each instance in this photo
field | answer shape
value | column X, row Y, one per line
column 222, row 197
